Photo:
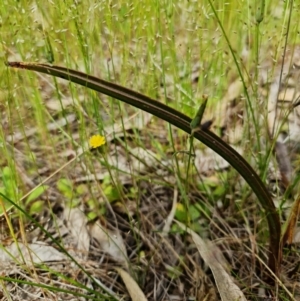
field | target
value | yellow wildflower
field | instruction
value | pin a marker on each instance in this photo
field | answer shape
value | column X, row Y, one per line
column 180, row 207
column 96, row 141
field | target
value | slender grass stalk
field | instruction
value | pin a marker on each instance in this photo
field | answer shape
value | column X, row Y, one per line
column 195, row 126
column 242, row 79
column 89, row 295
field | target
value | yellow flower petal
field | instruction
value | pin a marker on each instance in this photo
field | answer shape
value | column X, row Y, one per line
column 96, row 141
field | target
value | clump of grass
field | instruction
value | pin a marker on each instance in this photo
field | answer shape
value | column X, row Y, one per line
column 153, row 48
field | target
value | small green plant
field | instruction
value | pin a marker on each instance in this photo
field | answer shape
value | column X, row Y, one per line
column 8, row 188
column 33, row 202
column 65, row 186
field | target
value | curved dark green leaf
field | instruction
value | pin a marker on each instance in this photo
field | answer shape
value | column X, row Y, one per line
column 181, row 121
